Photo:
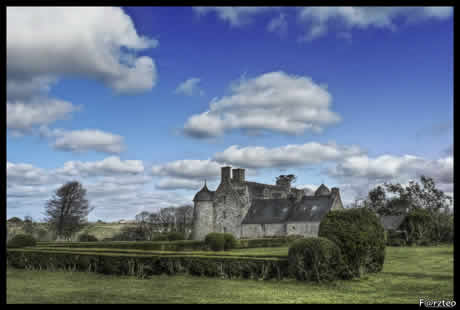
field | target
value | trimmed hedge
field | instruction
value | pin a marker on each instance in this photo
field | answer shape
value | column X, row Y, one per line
column 215, row 241
column 266, row 242
column 22, row 240
column 184, row 245
column 146, row 265
column 315, row 259
column 419, row 226
column 175, row 236
column 87, row 238
column 230, row 241
column 360, row 237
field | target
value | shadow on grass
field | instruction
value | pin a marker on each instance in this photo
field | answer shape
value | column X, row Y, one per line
column 420, row 275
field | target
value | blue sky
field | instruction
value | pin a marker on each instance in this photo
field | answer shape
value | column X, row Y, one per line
column 142, row 104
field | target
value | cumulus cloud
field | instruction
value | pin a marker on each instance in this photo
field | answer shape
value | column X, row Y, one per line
column 23, row 116
column 359, row 174
column 189, row 87
column 320, row 18
column 117, row 188
column 84, row 140
column 45, row 44
column 188, row 169
column 388, row 166
column 274, row 101
column 235, row 16
column 97, row 42
column 109, row 166
column 285, row 156
column 25, row 174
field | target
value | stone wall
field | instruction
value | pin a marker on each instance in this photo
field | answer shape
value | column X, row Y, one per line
column 306, row 229
column 202, row 219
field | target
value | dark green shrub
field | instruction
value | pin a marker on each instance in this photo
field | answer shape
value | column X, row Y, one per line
column 175, row 236
column 229, row 241
column 21, row 240
column 419, row 226
column 359, row 235
column 87, row 238
column 315, row 259
column 396, row 238
column 215, row 241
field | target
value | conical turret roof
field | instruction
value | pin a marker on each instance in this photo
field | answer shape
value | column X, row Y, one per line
column 322, row 190
column 204, row 194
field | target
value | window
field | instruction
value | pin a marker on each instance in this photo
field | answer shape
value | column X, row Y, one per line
column 224, row 214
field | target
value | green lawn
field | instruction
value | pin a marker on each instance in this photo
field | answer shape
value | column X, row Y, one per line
column 409, row 273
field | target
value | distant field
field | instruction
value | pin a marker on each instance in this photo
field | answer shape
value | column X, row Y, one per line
column 409, row 273
column 99, row 230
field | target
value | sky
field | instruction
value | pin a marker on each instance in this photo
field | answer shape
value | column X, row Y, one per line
column 142, row 104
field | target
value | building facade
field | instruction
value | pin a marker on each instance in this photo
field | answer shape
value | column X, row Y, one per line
column 252, row 210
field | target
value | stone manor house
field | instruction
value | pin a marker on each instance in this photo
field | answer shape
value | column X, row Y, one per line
column 252, row 210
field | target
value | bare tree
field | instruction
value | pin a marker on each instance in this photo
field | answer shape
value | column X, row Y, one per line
column 67, row 211
column 184, row 215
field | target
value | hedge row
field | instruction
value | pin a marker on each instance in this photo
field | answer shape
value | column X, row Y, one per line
column 147, row 265
column 147, row 252
column 184, row 245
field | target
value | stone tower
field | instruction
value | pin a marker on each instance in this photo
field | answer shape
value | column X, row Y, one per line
column 203, row 213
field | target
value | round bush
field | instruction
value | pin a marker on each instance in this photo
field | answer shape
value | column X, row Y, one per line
column 21, row 240
column 359, row 235
column 215, row 241
column 174, row 236
column 229, row 241
column 87, row 238
column 315, row 259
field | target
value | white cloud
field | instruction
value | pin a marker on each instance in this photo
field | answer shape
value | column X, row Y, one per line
column 235, row 16
column 278, row 25
column 359, row 174
column 97, row 42
column 189, row 87
column 273, row 101
column 117, row 188
column 389, row 166
column 84, row 140
column 109, row 166
column 178, row 183
column 25, row 174
column 319, row 18
column 189, row 169
column 23, row 116
column 285, row 156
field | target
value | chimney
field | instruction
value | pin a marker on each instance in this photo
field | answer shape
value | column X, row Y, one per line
column 226, row 174
column 334, row 191
column 238, row 175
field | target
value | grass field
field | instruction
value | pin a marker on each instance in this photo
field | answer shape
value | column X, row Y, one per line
column 409, row 273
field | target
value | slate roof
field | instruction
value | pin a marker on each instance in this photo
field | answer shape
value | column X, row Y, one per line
column 204, row 194
column 273, row 211
column 257, row 189
column 391, row 221
column 310, row 209
column 268, row 211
